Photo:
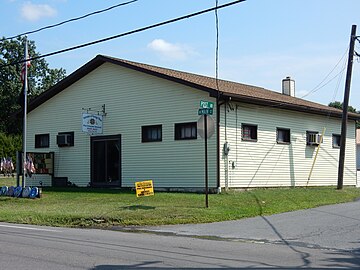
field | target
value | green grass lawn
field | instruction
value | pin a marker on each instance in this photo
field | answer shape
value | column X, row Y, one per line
column 86, row 207
column 7, row 181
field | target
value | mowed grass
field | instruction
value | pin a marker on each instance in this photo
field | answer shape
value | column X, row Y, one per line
column 85, row 207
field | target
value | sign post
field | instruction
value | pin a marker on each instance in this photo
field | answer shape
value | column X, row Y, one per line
column 206, row 108
column 206, row 166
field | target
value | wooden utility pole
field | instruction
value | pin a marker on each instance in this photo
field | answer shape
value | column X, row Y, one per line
column 345, row 109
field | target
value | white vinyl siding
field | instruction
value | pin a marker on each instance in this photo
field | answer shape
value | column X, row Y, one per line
column 133, row 99
column 269, row 164
column 358, row 156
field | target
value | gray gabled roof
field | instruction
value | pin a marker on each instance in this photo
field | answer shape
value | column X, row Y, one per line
column 237, row 91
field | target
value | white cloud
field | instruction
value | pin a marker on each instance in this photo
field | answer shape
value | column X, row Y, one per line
column 170, row 51
column 34, row 12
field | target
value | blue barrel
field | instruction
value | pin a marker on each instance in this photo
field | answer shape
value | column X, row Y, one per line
column 17, row 192
column 34, row 192
column 10, row 191
column 26, row 192
column 4, row 190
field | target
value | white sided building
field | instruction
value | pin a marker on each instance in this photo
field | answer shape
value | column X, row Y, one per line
column 114, row 122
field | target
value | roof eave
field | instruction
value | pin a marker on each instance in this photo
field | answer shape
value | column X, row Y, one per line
column 288, row 106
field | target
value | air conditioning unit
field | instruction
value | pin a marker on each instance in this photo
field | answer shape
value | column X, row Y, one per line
column 313, row 139
column 64, row 140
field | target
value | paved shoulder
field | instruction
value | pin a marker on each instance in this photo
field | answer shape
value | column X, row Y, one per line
column 332, row 226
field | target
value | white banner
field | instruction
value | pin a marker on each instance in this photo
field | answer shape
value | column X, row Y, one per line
column 92, row 123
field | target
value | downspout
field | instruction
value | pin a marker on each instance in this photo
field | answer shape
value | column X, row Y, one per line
column 218, row 105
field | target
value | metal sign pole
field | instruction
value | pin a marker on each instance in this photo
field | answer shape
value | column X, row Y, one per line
column 206, row 108
column 206, row 165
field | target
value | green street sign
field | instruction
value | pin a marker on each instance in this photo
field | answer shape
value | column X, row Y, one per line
column 205, row 111
column 206, row 104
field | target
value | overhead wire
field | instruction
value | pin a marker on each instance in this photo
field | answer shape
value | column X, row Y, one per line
column 69, row 20
column 339, row 80
column 217, row 48
column 319, row 86
column 340, row 76
column 126, row 33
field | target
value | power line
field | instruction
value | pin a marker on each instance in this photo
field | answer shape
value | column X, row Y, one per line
column 329, row 81
column 127, row 33
column 70, row 20
column 217, row 50
column 319, row 86
column 339, row 80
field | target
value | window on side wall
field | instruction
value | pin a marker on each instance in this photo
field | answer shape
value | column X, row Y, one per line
column 336, row 140
column 151, row 133
column 42, row 140
column 186, row 131
column 248, row 132
column 283, row 135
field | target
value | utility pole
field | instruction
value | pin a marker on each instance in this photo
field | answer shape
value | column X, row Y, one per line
column 345, row 109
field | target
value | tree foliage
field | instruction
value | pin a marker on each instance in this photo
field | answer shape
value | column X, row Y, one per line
column 40, row 78
column 9, row 144
column 339, row 105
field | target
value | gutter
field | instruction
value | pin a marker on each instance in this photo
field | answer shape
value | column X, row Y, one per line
column 293, row 107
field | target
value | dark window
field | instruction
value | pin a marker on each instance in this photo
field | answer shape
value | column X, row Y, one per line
column 186, row 131
column 283, row 135
column 249, row 132
column 151, row 133
column 336, row 140
column 42, row 140
column 312, row 137
column 65, row 139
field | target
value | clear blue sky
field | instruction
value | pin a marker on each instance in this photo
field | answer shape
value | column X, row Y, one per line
column 260, row 41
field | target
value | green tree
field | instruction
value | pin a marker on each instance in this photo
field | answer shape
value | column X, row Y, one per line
column 9, row 144
column 339, row 105
column 40, row 78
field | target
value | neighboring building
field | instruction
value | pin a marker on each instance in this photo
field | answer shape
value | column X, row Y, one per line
column 149, row 131
column 358, row 148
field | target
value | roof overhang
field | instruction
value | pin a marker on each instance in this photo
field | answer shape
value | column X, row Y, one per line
column 100, row 59
column 287, row 106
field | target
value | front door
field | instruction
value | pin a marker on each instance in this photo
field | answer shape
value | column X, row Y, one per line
column 106, row 161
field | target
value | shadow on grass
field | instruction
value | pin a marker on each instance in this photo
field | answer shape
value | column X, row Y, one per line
column 138, row 207
column 89, row 190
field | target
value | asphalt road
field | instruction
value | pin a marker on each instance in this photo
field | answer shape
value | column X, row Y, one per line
column 322, row 238
column 334, row 227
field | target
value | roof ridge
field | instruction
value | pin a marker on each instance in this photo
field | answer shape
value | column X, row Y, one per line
column 183, row 72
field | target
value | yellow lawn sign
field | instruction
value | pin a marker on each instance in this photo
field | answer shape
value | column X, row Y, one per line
column 144, row 188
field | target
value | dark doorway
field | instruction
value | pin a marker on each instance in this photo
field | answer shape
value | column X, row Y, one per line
column 106, row 161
